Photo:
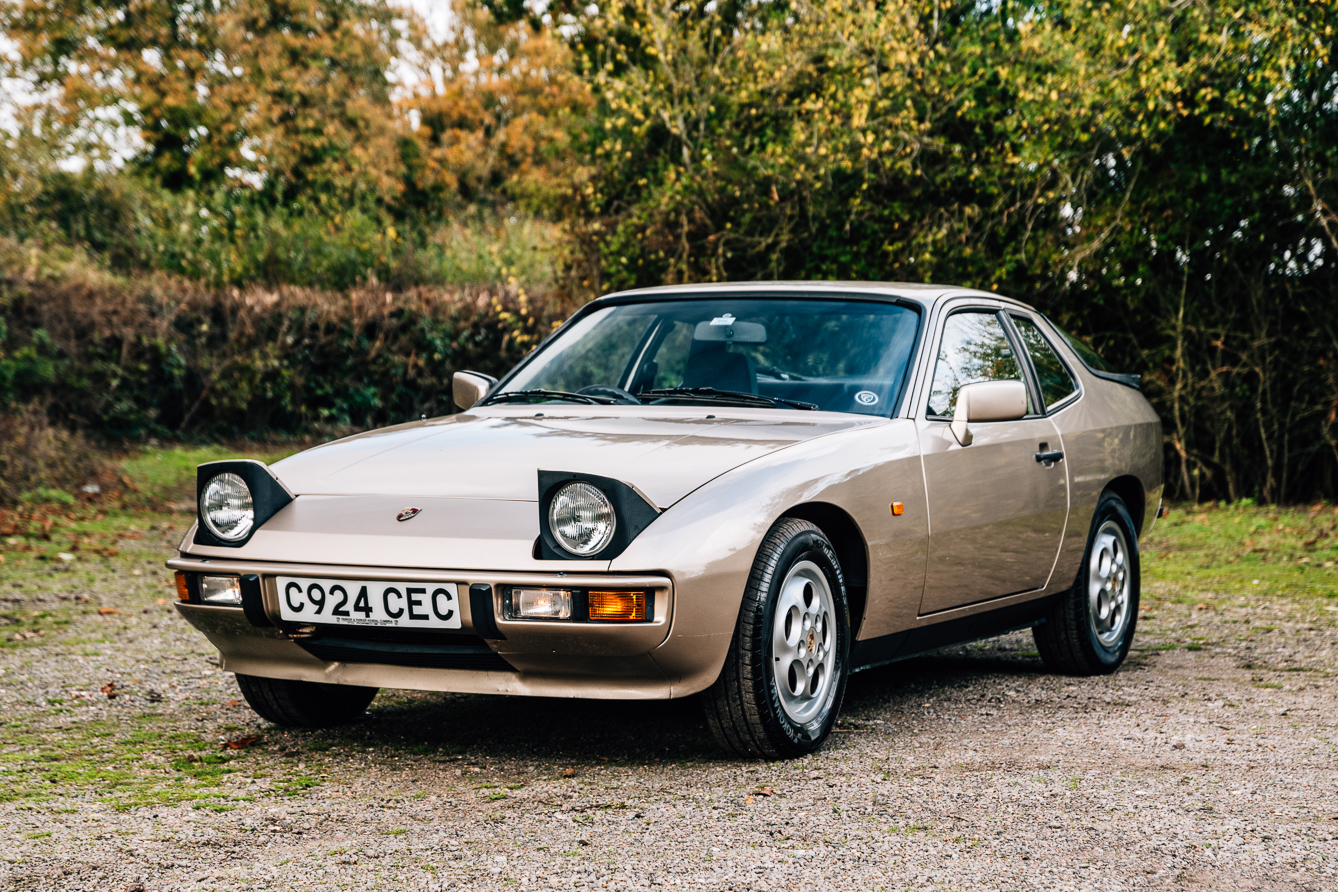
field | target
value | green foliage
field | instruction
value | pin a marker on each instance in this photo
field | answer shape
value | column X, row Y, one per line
column 163, row 356
column 1158, row 177
column 294, row 93
column 236, row 237
column 243, row 141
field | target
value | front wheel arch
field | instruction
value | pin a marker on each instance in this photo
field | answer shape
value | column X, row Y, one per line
column 851, row 549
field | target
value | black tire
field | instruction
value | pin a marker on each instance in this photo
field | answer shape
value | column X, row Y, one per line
column 1071, row 638
column 744, row 707
column 304, row 704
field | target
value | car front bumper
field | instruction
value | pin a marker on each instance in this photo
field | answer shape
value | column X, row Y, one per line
column 533, row 658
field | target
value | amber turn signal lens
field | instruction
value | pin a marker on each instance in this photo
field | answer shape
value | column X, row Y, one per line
column 618, row 607
column 183, row 591
column 898, row 509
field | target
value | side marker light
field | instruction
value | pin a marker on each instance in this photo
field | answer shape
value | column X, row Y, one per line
column 183, row 592
column 898, row 509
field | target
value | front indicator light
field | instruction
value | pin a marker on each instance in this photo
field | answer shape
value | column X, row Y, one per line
column 617, row 607
column 539, row 603
column 221, row 589
column 183, row 590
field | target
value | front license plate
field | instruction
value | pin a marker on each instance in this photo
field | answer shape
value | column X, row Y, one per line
column 414, row 605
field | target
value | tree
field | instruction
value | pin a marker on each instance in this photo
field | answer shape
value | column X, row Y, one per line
column 1158, row 176
column 494, row 112
column 291, row 95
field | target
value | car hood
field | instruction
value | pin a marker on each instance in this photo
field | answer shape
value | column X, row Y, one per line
column 495, row 453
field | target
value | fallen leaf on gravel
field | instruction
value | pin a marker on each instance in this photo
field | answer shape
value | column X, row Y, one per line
column 162, row 601
column 234, row 703
column 763, row 791
column 239, row 742
column 109, row 689
column 1202, row 607
column 107, row 611
column 749, row 801
column 570, row 772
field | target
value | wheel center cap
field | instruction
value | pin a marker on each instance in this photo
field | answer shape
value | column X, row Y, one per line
column 812, row 640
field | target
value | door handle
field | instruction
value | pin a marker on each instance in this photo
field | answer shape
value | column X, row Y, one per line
column 1047, row 458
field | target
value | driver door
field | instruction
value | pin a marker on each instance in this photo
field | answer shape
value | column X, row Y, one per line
column 996, row 514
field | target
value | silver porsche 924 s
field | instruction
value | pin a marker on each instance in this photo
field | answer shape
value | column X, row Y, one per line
column 746, row 492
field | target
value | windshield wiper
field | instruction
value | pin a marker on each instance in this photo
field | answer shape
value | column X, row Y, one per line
column 511, row 396
column 734, row 396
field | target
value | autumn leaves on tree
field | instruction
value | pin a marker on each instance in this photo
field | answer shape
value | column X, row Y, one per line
column 1159, row 177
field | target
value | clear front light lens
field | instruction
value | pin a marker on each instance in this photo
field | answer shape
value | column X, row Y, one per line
column 226, row 507
column 220, row 589
column 539, row 603
column 581, row 519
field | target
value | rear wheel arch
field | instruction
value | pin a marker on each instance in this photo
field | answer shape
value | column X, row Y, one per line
column 851, row 550
column 1130, row 489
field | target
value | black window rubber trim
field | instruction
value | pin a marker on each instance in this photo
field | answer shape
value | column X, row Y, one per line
column 1128, row 379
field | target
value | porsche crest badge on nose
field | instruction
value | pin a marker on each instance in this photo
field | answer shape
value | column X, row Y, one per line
column 408, row 514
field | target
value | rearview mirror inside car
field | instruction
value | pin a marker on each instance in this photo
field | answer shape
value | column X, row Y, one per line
column 987, row 401
column 467, row 388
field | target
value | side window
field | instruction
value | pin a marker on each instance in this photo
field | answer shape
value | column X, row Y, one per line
column 1057, row 384
column 974, row 348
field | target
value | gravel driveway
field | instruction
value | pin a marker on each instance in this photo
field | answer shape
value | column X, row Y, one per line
column 1208, row 762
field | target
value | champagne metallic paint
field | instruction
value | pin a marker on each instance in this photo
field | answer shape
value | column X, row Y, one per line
column 985, row 526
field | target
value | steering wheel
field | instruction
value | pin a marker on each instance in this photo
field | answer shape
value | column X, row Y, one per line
column 622, row 397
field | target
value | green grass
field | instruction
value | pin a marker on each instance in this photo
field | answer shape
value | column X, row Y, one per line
column 107, row 759
column 53, row 751
column 165, row 474
column 1202, row 553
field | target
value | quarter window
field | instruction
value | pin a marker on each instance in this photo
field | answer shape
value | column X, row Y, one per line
column 1057, row 384
column 974, row 348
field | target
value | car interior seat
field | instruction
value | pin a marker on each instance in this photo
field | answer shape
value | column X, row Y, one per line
column 712, row 365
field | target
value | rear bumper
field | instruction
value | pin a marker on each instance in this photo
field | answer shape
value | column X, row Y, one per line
column 551, row 659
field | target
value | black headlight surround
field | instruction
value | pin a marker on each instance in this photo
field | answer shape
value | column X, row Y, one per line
column 268, row 495
column 634, row 514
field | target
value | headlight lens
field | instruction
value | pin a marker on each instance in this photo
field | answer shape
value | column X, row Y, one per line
column 581, row 519
column 226, row 507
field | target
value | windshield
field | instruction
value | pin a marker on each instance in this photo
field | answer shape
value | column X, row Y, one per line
column 840, row 356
